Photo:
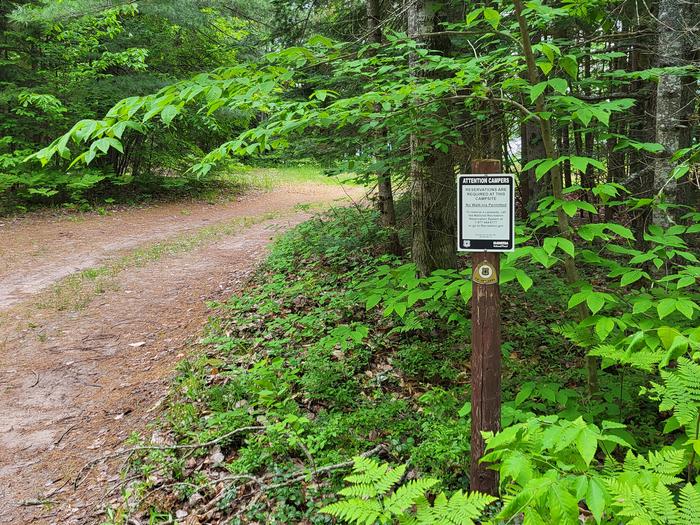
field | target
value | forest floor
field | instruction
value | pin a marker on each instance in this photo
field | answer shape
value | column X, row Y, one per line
column 95, row 312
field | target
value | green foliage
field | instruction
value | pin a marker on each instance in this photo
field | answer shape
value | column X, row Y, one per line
column 374, row 497
column 71, row 61
column 548, row 466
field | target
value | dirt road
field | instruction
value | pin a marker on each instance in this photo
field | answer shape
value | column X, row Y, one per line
column 86, row 357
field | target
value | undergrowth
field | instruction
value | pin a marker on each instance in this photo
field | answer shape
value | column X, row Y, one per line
column 316, row 378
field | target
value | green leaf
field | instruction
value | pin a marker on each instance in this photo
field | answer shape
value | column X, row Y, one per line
column 547, row 51
column 400, row 308
column 473, row 15
column 620, row 230
column 687, row 280
column 578, row 298
column 641, row 306
column 537, row 90
column 532, row 517
column 567, row 246
column 596, row 498
column 372, row 301
column 602, row 115
column 666, row 307
column 532, row 164
column 168, row 114
column 541, row 257
column 587, row 444
column 569, row 208
column 505, row 437
column 214, row 93
column 524, row 279
column 545, row 66
column 102, row 145
column 544, row 167
column 569, row 64
column 595, row 302
column 559, row 85
column 524, row 392
column 586, row 206
column 636, row 341
column 584, row 115
column 492, row 16
column 631, row 277
column 563, row 505
column 550, row 244
column 667, row 335
column 603, row 327
column 579, row 163
column 686, row 307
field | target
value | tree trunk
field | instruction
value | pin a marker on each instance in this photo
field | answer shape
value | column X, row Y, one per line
column 433, row 185
column 640, row 179
column 669, row 93
column 566, row 150
column 387, row 211
column 532, row 148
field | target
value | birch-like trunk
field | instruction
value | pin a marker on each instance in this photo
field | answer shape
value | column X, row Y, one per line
column 669, row 107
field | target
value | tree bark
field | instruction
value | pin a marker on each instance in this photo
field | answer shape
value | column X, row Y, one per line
column 433, row 185
column 640, row 179
column 566, row 149
column 669, row 95
column 532, row 148
column 387, row 210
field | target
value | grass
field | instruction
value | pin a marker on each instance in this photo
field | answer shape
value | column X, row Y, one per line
column 76, row 291
column 269, row 178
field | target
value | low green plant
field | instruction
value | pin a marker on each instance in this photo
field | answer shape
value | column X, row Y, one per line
column 549, row 465
column 378, row 494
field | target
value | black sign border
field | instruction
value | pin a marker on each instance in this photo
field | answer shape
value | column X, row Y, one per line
column 481, row 245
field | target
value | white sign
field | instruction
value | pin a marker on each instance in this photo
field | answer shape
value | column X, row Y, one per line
column 485, row 213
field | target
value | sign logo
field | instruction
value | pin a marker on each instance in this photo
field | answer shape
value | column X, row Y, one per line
column 485, row 273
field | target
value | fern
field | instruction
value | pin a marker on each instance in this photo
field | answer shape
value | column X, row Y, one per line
column 355, row 510
column 374, row 497
column 460, row 509
column 658, row 467
column 647, row 506
column 680, row 391
column 372, row 479
column 407, row 495
column 644, row 359
column 689, row 500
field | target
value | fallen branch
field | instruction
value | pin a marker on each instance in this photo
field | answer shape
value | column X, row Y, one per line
column 58, row 441
column 296, row 478
column 36, row 502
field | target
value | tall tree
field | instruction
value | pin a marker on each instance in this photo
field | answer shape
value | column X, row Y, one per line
column 387, row 212
column 433, row 187
column 669, row 96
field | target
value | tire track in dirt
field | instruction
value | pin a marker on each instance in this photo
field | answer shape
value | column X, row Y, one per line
column 75, row 384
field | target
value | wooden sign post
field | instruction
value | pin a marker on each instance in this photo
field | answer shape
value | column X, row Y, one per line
column 486, row 226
